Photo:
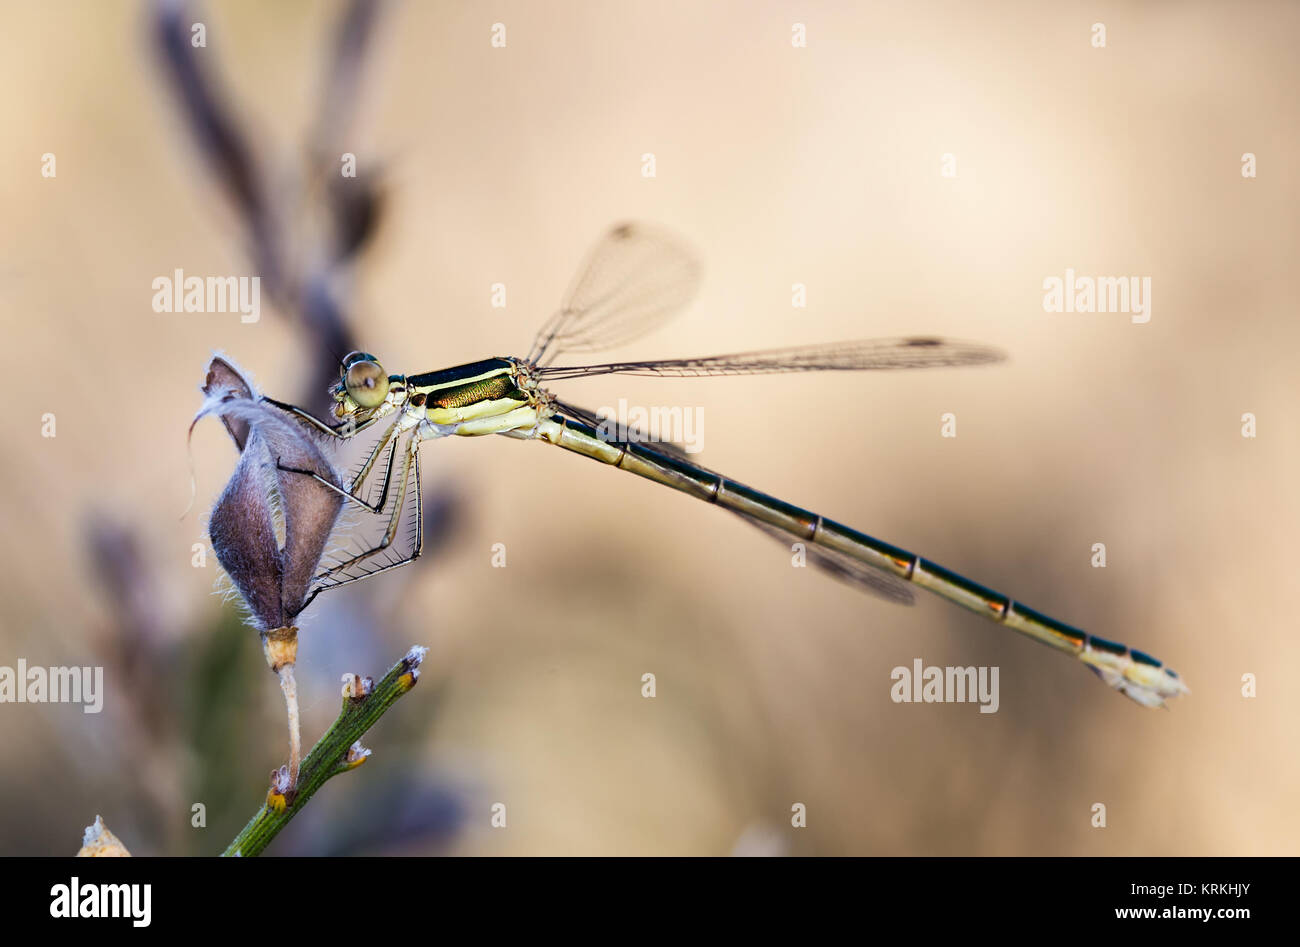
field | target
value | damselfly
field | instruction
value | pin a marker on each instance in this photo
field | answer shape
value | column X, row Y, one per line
column 635, row 279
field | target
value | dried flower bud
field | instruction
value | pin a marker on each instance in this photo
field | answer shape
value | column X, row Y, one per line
column 263, row 502
column 279, row 796
column 99, row 842
column 356, row 755
column 271, row 495
column 410, row 675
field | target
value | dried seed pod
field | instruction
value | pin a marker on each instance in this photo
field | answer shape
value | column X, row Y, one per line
column 270, row 526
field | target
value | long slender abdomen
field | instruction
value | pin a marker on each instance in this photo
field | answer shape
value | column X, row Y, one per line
column 1135, row 674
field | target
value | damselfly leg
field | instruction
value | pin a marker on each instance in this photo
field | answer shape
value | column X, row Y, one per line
column 358, row 481
column 400, row 499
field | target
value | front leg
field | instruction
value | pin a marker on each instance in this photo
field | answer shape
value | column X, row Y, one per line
column 351, row 495
column 341, row 431
column 345, row 432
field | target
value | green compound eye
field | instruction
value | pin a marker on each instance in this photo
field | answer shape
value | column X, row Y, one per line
column 352, row 358
column 365, row 380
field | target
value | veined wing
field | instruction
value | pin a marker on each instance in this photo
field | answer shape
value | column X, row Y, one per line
column 845, row 568
column 864, row 355
column 842, row 567
column 635, row 279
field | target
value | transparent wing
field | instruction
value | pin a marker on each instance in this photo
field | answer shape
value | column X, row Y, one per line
column 864, row 355
column 592, row 419
column 858, row 574
column 635, row 279
column 844, row 568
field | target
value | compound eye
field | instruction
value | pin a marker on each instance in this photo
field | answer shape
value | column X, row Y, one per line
column 352, row 358
column 365, row 381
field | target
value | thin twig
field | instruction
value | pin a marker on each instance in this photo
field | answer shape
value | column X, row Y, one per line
column 290, row 687
column 338, row 751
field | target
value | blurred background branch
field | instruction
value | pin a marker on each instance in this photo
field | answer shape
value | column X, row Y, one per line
column 303, row 246
column 303, row 233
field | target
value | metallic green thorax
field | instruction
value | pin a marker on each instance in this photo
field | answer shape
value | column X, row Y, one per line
column 476, row 391
column 457, row 387
column 484, row 389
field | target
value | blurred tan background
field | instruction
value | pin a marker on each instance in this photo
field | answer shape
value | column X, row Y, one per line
column 780, row 165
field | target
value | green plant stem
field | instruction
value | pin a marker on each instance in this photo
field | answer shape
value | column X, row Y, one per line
column 328, row 757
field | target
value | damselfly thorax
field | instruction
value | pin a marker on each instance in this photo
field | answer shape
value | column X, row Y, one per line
column 634, row 280
column 491, row 396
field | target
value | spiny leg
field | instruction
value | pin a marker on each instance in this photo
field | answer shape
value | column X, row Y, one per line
column 410, row 461
column 361, row 475
column 419, row 512
column 342, row 431
column 417, row 548
column 364, row 472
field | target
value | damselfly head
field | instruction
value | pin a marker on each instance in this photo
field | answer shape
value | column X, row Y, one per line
column 362, row 387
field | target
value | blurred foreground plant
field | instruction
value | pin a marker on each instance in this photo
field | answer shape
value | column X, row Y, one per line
column 99, row 842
